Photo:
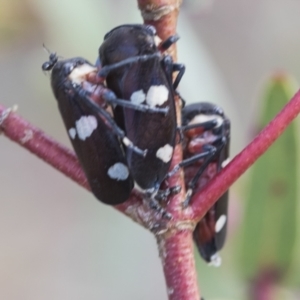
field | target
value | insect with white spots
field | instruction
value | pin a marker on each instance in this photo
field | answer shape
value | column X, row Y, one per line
column 206, row 131
column 137, row 71
column 95, row 136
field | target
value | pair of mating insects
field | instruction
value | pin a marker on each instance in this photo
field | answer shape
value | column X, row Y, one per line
column 125, row 138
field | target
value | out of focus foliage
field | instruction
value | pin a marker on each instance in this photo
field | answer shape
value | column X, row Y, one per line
column 271, row 219
column 16, row 19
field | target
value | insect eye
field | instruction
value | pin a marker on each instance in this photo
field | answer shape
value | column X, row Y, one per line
column 68, row 68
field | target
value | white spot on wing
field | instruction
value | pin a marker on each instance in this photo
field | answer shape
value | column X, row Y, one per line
column 126, row 141
column 72, row 133
column 118, row 172
column 201, row 118
column 215, row 260
column 138, row 97
column 165, row 153
column 85, row 126
column 157, row 95
column 220, row 223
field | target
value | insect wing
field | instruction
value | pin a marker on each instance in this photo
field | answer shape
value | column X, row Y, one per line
column 142, row 82
column 210, row 233
column 154, row 132
column 98, row 150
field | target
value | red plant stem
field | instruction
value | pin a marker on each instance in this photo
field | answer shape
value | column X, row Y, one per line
column 60, row 157
column 204, row 199
column 46, row 148
column 176, row 252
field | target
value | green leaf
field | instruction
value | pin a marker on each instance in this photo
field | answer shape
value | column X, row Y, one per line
column 270, row 220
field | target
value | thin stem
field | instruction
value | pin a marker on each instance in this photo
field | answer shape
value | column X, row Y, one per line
column 37, row 142
column 176, row 253
column 58, row 156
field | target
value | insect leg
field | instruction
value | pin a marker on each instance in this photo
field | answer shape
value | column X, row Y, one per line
column 131, row 60
column 165, row 45
column 191, row 185
column 209, row 151
column 162, row 195
column 208, row 125
column 180, row 68
column 153, row 203
column 111, row 98
column 170, row 67
column 108, row 120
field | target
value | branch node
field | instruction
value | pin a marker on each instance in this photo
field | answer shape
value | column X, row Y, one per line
column 153, row 13
column 150, row 219
column 171, row 228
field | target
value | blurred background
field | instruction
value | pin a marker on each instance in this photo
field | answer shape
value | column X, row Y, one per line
column 56, row 240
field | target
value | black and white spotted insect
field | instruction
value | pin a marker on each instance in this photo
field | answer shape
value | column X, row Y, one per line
column 206, row 131
column 97, row 140
column 137, row 71
column 92, row 131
